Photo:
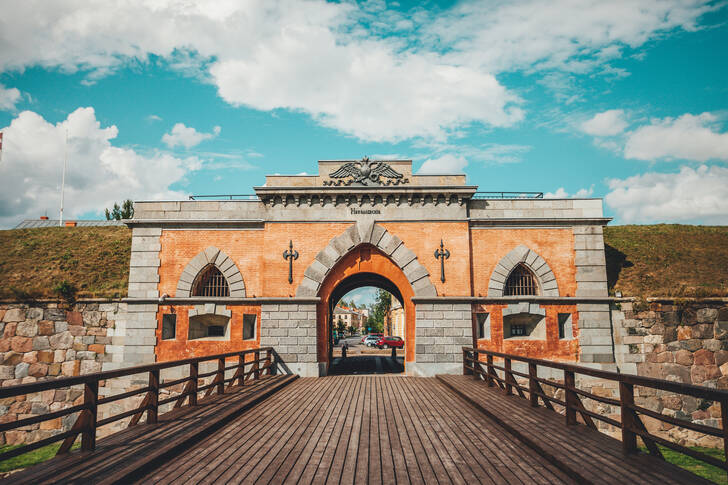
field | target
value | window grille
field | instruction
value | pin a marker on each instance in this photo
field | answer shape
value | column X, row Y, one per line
column 211, row 282
column 518, row 330
column 521, row 282
column 215, row 331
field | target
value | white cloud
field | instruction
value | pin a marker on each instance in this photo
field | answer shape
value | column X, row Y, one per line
column 695, row 195
column 561, row 193
column 344, row 64
column 606, row 123
column 154, row 117
column 689, row 137
column 98, row 173
column 186, row 136
column 452, row 159
column 445, row 164
column 573, row 36
column 8, row 98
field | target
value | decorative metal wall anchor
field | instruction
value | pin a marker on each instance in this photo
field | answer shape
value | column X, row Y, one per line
column 442, row 254
column 290, row 254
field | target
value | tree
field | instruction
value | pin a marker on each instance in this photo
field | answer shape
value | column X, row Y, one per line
column 351, row 330
column 379, row 310
column 126, row 211
column 340, row 327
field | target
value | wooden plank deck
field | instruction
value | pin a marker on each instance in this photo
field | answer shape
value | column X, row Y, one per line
column 589, row 455
column 121, row 455
column 378, row 429
column 360, row 429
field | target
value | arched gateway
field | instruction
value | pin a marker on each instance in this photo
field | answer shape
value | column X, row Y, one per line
column 507, row 271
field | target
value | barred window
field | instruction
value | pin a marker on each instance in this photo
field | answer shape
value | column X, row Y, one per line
column 211, row 282
column 521, row 282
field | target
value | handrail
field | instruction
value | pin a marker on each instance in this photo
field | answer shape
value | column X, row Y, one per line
column 630, row 422
column 87, row 421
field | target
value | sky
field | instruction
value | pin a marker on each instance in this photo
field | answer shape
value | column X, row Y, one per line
column 623, row 100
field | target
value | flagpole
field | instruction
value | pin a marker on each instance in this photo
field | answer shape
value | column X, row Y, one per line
column 63, row 177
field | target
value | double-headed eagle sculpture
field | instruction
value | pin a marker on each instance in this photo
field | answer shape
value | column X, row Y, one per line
column 366, row 172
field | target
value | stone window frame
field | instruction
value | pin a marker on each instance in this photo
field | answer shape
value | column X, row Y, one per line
column 520, row 267
column 485, row 324
column 568, row 325
column 210, row 309
column 198, row 264
column 255, row 325
column 527, row 257
column 532, row 309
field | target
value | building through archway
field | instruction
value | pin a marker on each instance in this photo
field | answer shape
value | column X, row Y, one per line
column 512, row 272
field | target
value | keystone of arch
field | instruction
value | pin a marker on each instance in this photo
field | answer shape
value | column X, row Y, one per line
column 529, row 258
column 227, row 267
column 366, row 232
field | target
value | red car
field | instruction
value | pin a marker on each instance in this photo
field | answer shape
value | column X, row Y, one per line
column 389, row 342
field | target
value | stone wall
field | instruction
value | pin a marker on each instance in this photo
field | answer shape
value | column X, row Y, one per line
column 680, row 341
column 442, row 329
column 48, row 340
column 290, row 328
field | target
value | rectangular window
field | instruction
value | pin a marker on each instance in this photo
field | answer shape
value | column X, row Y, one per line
column 169, row 326
column 249, row 326
column 518, row 330
column 215, row 331
column 483, row 325
column 565, row 330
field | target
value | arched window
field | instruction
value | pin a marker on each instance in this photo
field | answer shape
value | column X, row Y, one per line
column 210, row 282
column 521, row 282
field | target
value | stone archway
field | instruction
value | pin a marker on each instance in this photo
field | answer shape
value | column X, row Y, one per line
column 529, row 258
column 366, row 232
column 359, row 264
column 227, row 267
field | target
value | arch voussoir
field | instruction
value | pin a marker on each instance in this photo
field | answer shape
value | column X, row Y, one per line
column 529, row 258
column 211, row 255
column 366, row 232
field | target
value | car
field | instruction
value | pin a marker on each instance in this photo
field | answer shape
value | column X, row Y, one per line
column 371, row 340
column 390, row 342
column 364, row 337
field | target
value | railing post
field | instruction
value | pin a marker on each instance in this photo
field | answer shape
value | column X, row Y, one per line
column 90, row 400
column 570, row 396
column 269, row 361
column 507, row 376
column 221, row 375
column 194, row 372
column 466, row 371
column 241, row 369
column 724, row 427
column 256, row 372
column 489, row 369
column 532, row 374
column 153, row 411
column 626, row 399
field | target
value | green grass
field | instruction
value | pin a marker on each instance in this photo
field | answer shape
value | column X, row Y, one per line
column 668, row 260
column 94, row 260
column 31, row 458
column 709, row 472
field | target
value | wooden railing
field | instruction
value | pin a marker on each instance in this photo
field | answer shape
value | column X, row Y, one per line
column 630, row 421
column 87, row 421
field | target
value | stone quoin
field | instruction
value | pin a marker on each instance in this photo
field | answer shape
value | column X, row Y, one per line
column 525, row 274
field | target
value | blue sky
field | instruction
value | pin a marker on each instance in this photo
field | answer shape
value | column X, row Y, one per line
column 622, row 100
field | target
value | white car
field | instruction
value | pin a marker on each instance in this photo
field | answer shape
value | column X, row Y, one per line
column 371, row 340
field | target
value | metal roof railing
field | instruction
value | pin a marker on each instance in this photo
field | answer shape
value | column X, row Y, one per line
column 508, row 195
column 226, row 197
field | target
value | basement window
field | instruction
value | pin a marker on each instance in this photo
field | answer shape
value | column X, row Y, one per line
column 565, row 327
column 169, row 326
column 524, row 326
column 249, row 326
column 209, row 327
column 483, row 325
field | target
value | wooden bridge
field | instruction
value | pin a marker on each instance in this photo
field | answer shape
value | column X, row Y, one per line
column 249, row 423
